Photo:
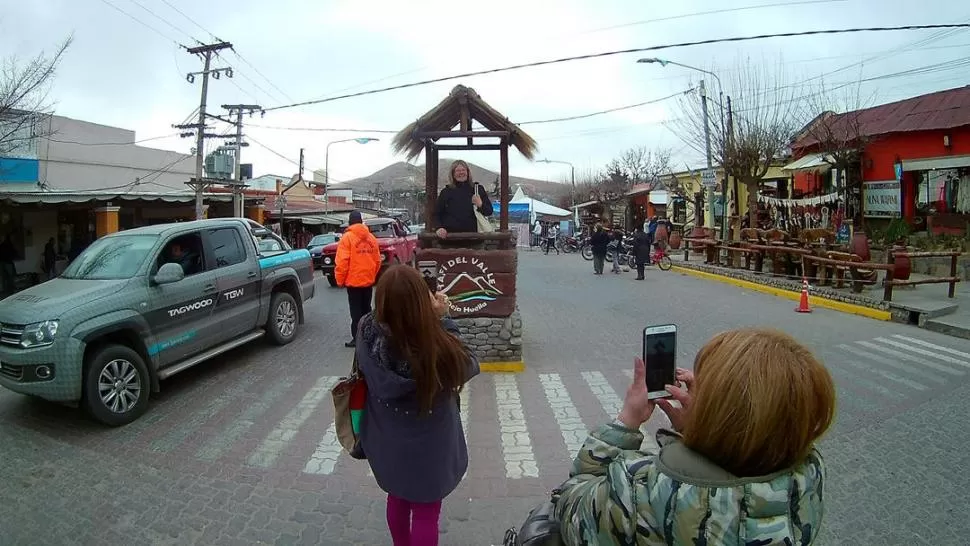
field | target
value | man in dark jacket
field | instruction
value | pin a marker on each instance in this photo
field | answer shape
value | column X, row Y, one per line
column 641, row 250
column 599, row 243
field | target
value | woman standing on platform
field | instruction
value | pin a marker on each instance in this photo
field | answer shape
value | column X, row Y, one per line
column 457, row 203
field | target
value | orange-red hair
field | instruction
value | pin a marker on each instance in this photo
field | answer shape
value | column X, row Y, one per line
column 760, row 401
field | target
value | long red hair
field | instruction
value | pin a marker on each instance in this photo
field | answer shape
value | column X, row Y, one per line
column 438, row 359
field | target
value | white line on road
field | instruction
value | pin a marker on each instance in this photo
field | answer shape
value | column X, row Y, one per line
column 933, row 346
column 908, row 358
column 922, row 373
column 924, row 352
column 564, row 411
column 520, row 461
column 222, row 442
column 612, row 404
column 273, row 445
column 463, row 408
column 890, row 376
column 324, row 458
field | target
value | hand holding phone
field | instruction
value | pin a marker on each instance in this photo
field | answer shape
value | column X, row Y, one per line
column 660, row 356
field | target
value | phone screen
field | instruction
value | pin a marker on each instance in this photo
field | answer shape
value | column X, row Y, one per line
column 660, row 354
column 429, row 272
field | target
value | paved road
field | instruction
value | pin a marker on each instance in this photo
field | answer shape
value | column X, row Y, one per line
column 242, row 450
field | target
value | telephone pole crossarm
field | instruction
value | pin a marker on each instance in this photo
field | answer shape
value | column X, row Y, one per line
column 237, row 187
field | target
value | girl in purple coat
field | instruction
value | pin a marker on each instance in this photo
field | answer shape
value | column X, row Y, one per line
column 415, row 365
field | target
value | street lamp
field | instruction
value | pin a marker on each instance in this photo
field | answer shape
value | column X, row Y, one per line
column 707, row 133
column 572, row 176
column 326, row 165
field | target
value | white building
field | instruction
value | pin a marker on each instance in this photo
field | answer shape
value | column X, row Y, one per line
column 81, row 180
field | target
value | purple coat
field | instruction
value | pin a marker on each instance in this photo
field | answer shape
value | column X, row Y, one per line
column 419, row 459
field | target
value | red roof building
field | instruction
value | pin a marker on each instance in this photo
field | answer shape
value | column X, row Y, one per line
column 914, row 160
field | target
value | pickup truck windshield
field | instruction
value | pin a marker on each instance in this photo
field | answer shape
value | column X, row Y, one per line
column 117, row 257
column 383, row 231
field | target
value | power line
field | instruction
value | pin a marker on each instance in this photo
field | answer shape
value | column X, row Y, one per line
column 609, row 111
column 622, row 52
column 140, row 22
column 269, row 81
column 139, row 141
column 191, row 20
column 162, row 19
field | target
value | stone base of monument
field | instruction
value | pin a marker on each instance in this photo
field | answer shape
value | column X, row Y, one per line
column 496, row 341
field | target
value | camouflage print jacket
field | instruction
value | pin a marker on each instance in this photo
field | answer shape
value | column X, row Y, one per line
column 679, row 497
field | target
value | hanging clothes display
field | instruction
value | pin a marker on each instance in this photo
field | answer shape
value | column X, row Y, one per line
column 962, row 186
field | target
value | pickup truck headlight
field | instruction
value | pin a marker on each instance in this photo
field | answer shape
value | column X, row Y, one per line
column 384, row 257
column 39, row 334
column 328, row 260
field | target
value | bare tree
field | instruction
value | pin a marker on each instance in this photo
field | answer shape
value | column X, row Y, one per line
column 758, row 129
column 24, row 104
column 643, row 166
column 837, row 132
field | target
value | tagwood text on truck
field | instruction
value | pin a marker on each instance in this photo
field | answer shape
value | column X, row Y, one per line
column 141, row 305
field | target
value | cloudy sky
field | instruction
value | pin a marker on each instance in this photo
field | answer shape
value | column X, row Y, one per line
column 131, row 74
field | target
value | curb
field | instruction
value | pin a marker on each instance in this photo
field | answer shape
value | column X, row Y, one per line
column 515, row 366
column 818, row 301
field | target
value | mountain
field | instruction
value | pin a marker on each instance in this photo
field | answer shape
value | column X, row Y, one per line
column 464, row 287
column 398, row 176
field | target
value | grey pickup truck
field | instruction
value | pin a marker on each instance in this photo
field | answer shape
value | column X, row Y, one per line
column 141, row 305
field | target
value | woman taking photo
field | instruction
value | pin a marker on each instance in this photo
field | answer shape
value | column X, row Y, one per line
column 457, row 203
column 741, row 469
column 415, row 366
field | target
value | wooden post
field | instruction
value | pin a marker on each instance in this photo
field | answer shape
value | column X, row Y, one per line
column 430, row 184
column 953, row 274
column 504, row 185
column 887, row 293
column 465, row 116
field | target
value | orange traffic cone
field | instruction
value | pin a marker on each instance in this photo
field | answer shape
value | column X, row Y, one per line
column 803, row 303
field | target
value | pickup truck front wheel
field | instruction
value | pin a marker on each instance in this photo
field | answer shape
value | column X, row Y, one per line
column 116, row 386
column 283, row 318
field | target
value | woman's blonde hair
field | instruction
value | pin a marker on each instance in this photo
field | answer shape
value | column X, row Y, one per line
column 760, row 402
column 451, row 172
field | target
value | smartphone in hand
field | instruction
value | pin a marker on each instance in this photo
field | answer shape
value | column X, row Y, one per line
column 429, row 272
column 660, row 356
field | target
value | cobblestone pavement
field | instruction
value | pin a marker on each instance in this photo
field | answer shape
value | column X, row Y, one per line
column 242, row 450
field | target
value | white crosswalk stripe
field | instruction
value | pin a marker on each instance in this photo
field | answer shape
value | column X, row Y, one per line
column 902, row 356
column 940, row 348
column 520, row 461
column 905, row 368
column 924, row 352
column 878, row 371
column 274, row 444
column 564, row 411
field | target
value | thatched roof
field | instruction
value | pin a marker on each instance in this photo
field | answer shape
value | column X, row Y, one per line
column 447, row 115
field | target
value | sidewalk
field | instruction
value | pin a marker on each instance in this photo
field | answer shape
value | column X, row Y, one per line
column 926, row 306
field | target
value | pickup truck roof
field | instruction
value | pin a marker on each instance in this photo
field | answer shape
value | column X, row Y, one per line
column 164, row 229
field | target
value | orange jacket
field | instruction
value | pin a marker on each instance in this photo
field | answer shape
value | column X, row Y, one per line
column 358, row 257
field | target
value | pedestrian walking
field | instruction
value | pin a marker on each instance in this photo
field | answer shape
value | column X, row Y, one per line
column 614, row 246
column 651, row 234
column 537, row 234
column 599, row 243
column 50, row 259
column 416, row 365
column 357, row 263
column 641, row 250
column 740, row 468
column 551, row 235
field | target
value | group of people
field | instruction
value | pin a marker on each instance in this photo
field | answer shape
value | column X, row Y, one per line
column 544, row 235
column 653, row 232
column 733, row 439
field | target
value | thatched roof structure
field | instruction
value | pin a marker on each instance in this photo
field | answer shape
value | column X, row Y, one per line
column 447, row 115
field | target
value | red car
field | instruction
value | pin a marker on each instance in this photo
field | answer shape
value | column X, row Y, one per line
column 397, row 245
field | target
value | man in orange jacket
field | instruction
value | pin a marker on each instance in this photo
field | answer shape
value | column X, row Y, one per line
column 357, row 264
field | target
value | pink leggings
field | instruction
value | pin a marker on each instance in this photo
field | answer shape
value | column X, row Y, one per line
column 413, row 523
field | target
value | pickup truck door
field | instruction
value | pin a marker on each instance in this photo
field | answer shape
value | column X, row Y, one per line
column 235, row 267
column 180, row 311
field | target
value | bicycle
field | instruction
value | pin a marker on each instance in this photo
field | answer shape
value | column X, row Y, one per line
column 658, row 258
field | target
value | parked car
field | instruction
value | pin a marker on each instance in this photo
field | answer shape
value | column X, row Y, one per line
column 397, row 244
column 316, row 247
column 141, row 305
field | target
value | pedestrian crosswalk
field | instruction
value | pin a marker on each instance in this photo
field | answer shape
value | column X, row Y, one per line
column 517, row 426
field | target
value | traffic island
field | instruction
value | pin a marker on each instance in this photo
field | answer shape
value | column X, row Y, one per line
column 825, row 297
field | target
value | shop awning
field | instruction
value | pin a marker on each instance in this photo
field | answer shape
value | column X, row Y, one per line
column 333, row 219
column 811, row 162
column 930, row 163
column 53, row 198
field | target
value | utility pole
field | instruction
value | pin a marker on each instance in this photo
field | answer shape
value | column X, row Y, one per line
column 237, row 185
column 205, row 51
column 727, row 144
column 709, row 193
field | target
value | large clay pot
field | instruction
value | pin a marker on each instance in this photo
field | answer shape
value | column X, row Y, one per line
column 675, row 239
column 859, row 245
column 697, row 233
column 661, row 234
column 903, row 266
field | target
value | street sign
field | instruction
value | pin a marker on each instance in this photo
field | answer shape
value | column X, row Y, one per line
column 708, row 178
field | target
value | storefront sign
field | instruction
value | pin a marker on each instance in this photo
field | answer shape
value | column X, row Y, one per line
column 881, row 199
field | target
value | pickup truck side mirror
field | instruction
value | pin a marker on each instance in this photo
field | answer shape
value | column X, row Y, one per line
column 169, row 273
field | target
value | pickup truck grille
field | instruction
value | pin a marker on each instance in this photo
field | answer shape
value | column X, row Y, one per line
column 11, row 334
column 13, row 372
